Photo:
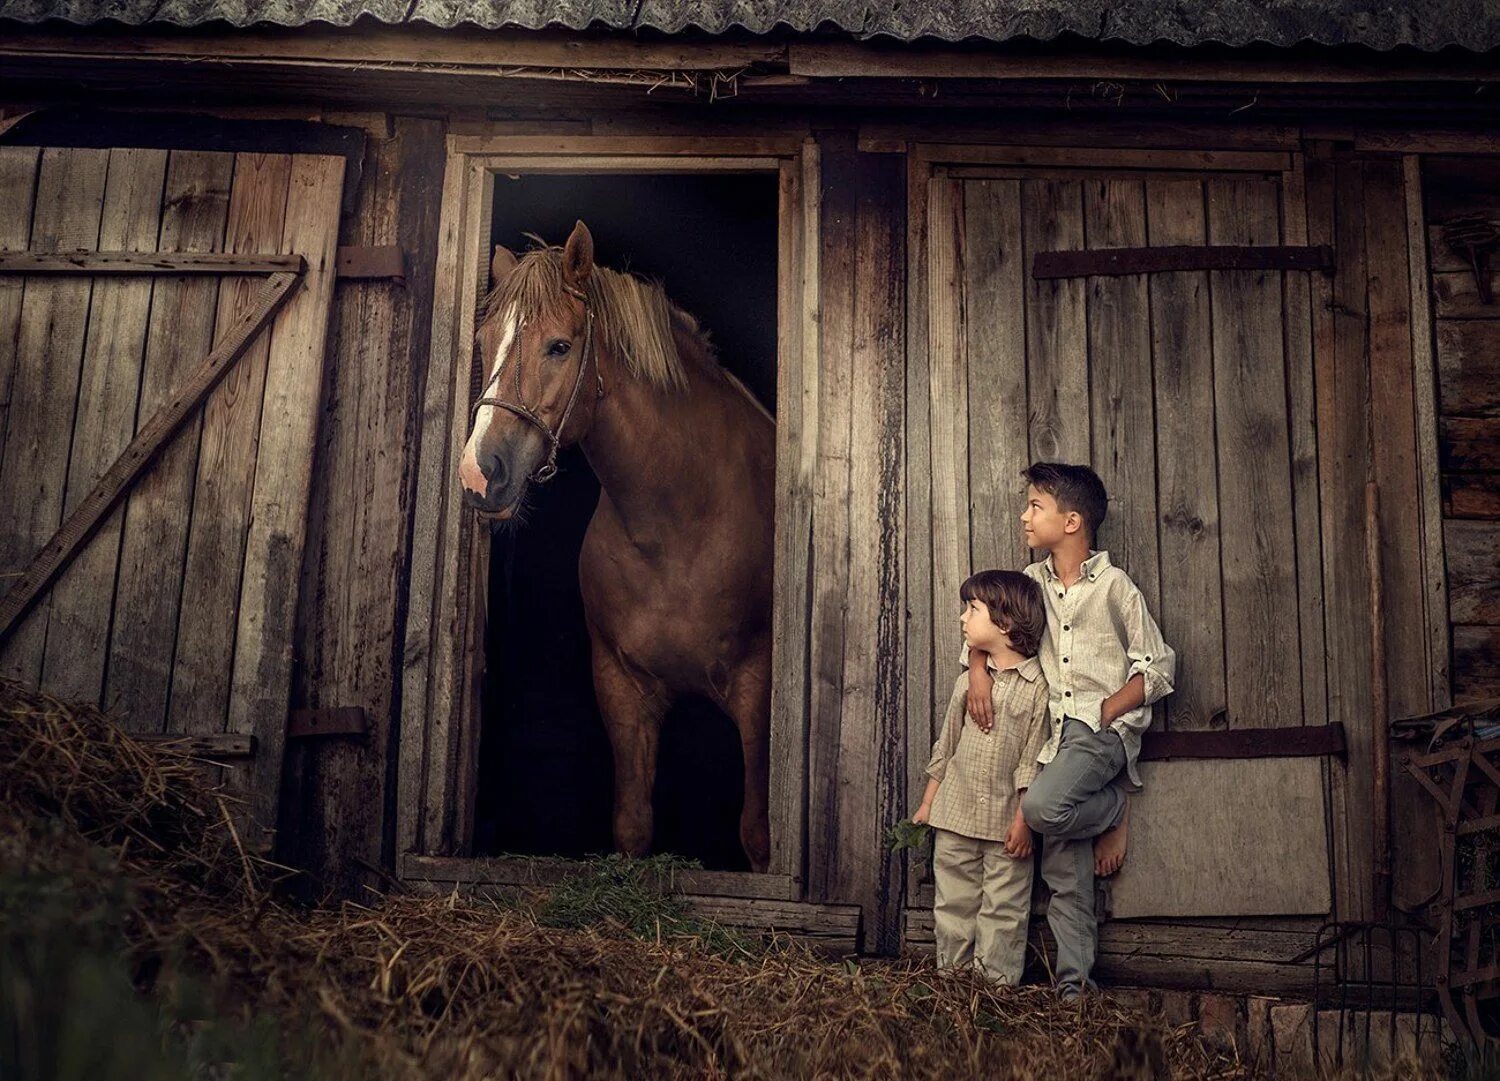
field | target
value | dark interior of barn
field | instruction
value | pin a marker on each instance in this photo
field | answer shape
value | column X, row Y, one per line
column 545, row 771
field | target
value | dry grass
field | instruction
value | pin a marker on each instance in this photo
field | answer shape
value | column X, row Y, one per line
column 453, row 987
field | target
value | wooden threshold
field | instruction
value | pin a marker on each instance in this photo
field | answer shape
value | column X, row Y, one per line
column 546, row 870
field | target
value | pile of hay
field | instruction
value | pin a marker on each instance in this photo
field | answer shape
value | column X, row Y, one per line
column 451, row 987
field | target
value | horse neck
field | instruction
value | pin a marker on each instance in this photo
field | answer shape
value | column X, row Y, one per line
column 653, row 449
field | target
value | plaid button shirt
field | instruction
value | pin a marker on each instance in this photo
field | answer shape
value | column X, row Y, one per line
column 983, row 773
column 1099, row 636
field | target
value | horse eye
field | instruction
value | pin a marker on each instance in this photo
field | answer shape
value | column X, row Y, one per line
column 559, row 348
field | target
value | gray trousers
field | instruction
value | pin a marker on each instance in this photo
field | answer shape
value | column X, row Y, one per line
column 1070, row 803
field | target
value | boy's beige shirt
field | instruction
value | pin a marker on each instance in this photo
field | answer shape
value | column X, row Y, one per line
column 1099, row 635
column 982, row 773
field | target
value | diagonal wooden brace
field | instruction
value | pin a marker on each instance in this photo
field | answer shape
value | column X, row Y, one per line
column 148, row 442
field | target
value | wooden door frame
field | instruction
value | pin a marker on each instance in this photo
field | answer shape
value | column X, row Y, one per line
column 444, row 636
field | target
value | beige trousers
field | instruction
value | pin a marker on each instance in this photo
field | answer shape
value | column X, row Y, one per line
column 981, row 906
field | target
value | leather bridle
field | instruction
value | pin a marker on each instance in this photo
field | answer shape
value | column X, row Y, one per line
column 548, row 469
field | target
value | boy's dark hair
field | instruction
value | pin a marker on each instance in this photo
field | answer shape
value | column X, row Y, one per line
column 1075, row 487
column 1015, row 604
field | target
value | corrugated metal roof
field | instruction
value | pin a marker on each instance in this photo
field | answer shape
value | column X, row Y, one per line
column 1424, row 24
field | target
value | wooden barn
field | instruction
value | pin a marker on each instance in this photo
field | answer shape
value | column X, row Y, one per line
column 1236, row 255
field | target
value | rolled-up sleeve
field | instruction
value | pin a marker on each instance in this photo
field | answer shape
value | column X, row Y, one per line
column 1150, row 656
column 1038, row 728
column 947, row 741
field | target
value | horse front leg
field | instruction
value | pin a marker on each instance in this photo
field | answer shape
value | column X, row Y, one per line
column 632, row 705
column 748, row 703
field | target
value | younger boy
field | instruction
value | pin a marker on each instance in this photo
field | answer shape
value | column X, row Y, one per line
column 1105, row 663
column 982, row 848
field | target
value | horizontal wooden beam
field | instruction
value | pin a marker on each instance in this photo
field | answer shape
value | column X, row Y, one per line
column 1298, row 741
column 544, row 871
column 1245, row 161
column 849, row 60
column 482, row 51
column 656, row 146
column 219, row 745
column 132, row 262
column 1107, row 262
column 148, row 442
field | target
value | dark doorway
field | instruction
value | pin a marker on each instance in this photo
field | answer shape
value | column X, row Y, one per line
column 545, row 771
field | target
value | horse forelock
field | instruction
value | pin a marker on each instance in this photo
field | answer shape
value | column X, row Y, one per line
column 633, row 318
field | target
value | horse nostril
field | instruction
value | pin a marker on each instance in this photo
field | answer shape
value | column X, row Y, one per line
column 495, row 472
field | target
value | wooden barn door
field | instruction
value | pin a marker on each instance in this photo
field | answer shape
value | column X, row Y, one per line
column 1190, row 392
column 177, row 614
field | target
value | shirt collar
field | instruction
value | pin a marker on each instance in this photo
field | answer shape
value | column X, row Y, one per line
column 1096, row 564
column 1030, row 669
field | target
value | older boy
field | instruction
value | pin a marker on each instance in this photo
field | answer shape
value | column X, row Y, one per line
column 1105, row 663
column 982, row 848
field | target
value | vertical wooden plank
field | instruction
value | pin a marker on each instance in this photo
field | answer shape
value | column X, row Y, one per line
column 447, row 370
column 224, row 483
column 1302, row 422
column 1396, row 462
column 831, row 509
column 1192, row 590
column 1393, row 412
column 1122, row 414
column 1429, row 480
column 871, row 754
column 994, row 321
column 359, row 518
column 452, row 723
column 947, row 464
column 154, row 538
column 79, row 628
column 44, row 388
column 1260, row 588
column 267, row 609
column 1057, row 374
column 796, row 459
column 920, row 656
column 1343, row 469
column 18, row 174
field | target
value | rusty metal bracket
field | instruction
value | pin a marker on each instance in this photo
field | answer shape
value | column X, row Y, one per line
column 1112, row 262
column 369, row 263
column 1298, row 741
column 333, row 721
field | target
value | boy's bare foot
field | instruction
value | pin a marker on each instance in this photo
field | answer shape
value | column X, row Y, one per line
column 1109, row 846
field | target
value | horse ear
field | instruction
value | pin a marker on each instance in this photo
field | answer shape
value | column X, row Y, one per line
column 501, row 264
column 578, row 256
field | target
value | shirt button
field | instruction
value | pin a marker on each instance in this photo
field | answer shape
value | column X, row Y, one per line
column 1065, row 660
column 1067, row 694
column 1059, row 594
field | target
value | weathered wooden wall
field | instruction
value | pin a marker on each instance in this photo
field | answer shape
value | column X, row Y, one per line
column 339, row 791
column 1468, row 359
column 858, row 655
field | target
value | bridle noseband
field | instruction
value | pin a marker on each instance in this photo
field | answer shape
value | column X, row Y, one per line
column 548, row 469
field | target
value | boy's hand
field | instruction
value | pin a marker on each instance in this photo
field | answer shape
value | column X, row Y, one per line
column 921, row 814
column 980, row 706
column 1018, row 838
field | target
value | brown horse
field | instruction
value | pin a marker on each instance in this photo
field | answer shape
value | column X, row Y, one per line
column 676, row 563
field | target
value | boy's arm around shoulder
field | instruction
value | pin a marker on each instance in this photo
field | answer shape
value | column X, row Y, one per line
column 1038, row 729
column 1150, row 656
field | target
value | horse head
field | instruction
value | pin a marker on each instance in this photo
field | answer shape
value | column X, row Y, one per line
column 540, row 352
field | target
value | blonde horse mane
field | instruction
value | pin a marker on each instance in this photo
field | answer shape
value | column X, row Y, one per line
column 632, row 316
